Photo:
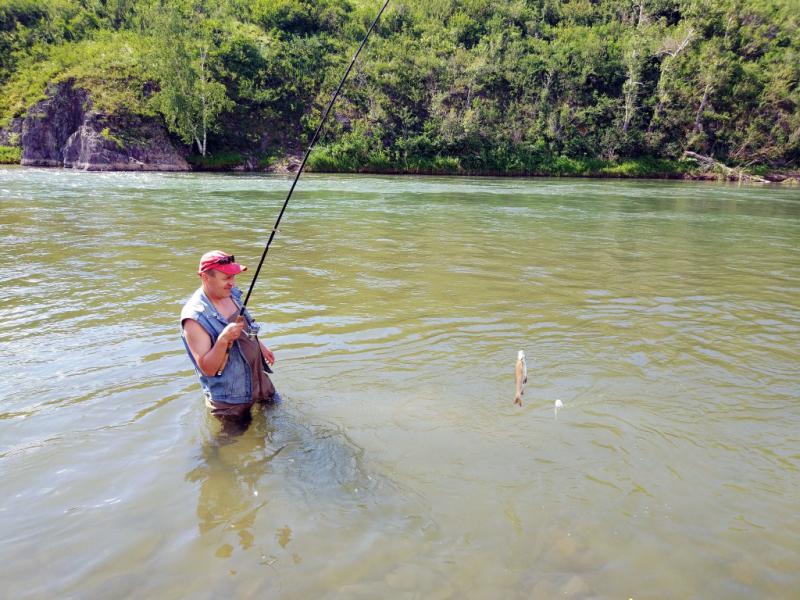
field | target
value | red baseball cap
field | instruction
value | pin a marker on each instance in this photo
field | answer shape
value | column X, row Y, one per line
column 220, row 261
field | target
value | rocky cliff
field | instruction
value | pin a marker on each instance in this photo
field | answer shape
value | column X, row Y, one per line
column 64, row 131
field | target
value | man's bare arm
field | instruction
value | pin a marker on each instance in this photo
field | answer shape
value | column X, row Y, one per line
column 208, row 357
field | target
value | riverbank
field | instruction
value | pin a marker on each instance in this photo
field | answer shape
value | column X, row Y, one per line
column 644, row 167
column 504, row 89
column 323, row 160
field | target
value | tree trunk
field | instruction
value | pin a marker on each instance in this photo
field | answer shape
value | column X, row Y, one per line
column 707, row 164
column 630, row 87
column 698, row 125
column 630, row 98
column 661, row 92
column 670, row 49
column 642, row 16
column 203, row 104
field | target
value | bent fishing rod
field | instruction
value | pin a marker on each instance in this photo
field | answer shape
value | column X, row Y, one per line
column 300, row 171
column 308, row 152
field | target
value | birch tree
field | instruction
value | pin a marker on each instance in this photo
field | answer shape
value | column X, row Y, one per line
column 190, row 97
column 633, row 59
column 673, row 44
column 636, row 49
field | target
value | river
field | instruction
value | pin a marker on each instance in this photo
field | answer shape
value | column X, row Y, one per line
column 664, row 315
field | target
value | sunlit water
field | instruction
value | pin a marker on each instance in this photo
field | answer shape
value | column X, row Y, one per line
column 664, row 316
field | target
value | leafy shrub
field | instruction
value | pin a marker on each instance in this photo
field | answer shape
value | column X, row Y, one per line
column 109, row 66
column 216, row 161
column 10, row 155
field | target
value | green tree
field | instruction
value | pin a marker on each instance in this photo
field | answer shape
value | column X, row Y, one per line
column 500, row 85
column 191, row 96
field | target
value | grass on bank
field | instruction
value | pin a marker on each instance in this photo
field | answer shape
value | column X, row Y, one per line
column 218, row 161
column 227, row 160
column 10, row 155
column 339, row 158
column 109, row 65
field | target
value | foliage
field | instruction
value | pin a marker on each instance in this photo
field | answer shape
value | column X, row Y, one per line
column 607, row 87
column 216, row 161
column 109, row 65
column 106, row 134
column 10, row 155
column 184, row 41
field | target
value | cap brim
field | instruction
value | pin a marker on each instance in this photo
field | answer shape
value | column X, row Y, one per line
column 229, row 269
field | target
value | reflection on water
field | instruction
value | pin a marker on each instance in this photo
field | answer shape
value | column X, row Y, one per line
column 250, row 481
column 664, row 316
column 228, row 474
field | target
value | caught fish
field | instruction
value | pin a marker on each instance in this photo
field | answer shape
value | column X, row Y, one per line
column 521, row 377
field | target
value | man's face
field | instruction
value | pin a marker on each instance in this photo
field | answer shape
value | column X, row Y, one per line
column 218, row 285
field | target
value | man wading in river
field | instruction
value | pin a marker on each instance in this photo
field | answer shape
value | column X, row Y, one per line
column 228, row 357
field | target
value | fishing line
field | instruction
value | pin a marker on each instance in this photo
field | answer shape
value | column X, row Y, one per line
column 305, row 158
column 294, row 183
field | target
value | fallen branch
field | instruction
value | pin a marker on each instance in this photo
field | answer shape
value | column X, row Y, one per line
column 707, row 164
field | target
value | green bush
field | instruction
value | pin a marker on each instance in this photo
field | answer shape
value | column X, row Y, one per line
column 576, row 88
column 646, row 167
column 218, row 161
column 10, row 155
column 106, row 134
column 109, row 66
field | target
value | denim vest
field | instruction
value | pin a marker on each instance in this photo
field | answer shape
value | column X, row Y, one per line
column 233, row 385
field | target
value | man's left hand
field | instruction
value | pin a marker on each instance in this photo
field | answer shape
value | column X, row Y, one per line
column 268, row 355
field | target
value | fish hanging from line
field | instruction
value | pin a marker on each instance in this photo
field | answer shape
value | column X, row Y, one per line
column 520, row 376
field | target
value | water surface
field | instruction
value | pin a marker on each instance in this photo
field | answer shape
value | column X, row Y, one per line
column 665, row 316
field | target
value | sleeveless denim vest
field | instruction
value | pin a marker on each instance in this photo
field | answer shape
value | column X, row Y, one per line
column 234, row 384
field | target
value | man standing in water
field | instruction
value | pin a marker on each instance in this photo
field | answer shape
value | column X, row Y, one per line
column 228, row 357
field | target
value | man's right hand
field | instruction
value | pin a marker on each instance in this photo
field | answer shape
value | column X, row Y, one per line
column 231, row 332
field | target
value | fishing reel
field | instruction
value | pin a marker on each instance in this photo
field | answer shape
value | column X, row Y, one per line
column 251, row 330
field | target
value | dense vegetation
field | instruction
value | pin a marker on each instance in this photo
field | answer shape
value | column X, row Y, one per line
column 510, row 86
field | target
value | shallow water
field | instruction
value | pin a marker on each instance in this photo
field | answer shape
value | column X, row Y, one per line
column 665, row 316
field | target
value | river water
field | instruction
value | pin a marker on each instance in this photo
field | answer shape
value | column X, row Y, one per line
column 665, row 317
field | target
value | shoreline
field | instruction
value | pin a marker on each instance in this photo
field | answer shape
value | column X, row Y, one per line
column 789, row 178
column 771, row 178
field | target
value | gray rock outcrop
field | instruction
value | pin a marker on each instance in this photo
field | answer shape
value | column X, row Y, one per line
column 64, row 131
column 49, row 124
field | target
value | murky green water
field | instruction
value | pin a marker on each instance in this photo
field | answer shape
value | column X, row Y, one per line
column 665, row 316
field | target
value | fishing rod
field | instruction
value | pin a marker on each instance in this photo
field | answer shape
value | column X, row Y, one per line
column 297, row 176
column 308, row 152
